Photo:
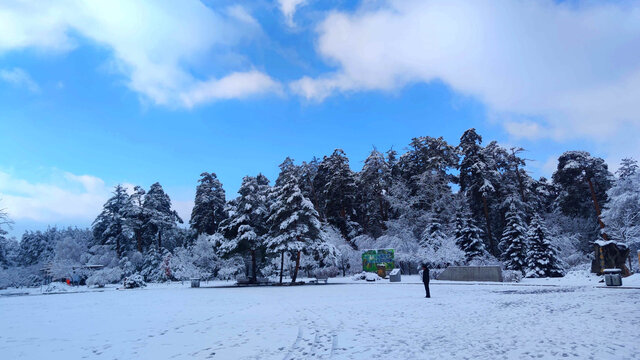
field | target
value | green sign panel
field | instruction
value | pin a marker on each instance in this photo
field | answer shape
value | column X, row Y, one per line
column 371, row 259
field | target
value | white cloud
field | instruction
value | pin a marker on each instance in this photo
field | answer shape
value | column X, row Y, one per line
column 288, row 8
column 64, row 197
column 156, row 45
column 571, row 68
column 233, row 86
column 19, row 78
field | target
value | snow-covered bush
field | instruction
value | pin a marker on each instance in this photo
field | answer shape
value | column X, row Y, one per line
column 106, row 276
column 442, row 254
column 134, row 281
column 56, row 287
column 155, row 267
column 231, row 268
column 182, row 266
column 511, row 275
column 131, row 263
column 368, row 276
column 349, row 260
column 28, row 276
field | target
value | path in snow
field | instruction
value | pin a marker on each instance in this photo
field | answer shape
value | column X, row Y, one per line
column 352, row 321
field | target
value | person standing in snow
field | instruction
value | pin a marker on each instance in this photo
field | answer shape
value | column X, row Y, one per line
column 425, row 279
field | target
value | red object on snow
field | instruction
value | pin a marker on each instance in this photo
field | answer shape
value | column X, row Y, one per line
column 69, row 282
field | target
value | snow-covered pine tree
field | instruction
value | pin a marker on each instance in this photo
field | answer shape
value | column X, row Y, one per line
column 208, row 208
column 307, row 174
column 541, row 256
column 336, row 186
column 578, row 172
column 246, row 227
column 468, row 235
column 37, row 246
column 294, row 224
column 109, row 227
column 514, row 237
column 476, row 180
column 136, row 216
column 628, row 167
column 373, row 185
column 160, row 217
column 621, row 214
column 6, row 244
column 433, row 235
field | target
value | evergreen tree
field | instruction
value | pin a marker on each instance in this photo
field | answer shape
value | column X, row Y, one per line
column 468, row 235
column 136, row 218
column 38, row 247
column 294, row 223
column 307, row 174
column 246, row 227
column 336, row 184
column 109, row 228
column 208, row 209
column 476, row 180
column 628, row 167
column 5, row 243
column 541, row 256
column 159, row 215
column 373, row 184
column 581, row 178
column 514, row 238
column 622, row 214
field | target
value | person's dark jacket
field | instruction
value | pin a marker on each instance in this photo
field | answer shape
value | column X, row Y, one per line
column 425, row 275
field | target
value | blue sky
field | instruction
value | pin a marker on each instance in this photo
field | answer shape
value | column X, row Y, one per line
column 95, row 94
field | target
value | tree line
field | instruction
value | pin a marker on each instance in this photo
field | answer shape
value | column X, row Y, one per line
column 468, row 203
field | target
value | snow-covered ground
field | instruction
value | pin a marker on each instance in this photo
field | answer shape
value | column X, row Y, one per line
column 552, row 318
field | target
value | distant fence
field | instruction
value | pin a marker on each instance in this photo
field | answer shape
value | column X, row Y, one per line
column 472, row 273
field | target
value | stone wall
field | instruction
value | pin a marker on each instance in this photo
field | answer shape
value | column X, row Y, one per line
column 472, row 273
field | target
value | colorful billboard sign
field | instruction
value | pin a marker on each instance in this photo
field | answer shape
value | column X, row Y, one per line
column 371, row 259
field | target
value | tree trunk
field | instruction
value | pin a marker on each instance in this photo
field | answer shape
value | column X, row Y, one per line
column 281, row 265
column 118, row 246
column 159, row 240
column 520, row 184
column 139, row 240
column 295, row 271
column 486, row 215
column 597, row 206
column 254, row 276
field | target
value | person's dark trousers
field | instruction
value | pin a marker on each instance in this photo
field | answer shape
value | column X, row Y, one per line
column 426, row 288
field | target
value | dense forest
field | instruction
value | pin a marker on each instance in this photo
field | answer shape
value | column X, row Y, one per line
column 436, row 203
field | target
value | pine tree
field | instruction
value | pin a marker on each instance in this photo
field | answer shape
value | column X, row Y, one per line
column 208, row 209
column 628, row 167
column 433, row 236
column 514, row 238
column 109, row 227
column 37, row 246
column 159, row 215
column 336, row 184
column 307, row 174
column 476, row 180
column 294, row 223
column 579, row 173
column 468, row 236
column 541, row 256
column 136, row 217
column 246, row 227
column 621, row 213
column 373, row 184
column 5, row 243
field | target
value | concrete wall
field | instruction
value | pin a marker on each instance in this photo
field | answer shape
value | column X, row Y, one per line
column 472, row 273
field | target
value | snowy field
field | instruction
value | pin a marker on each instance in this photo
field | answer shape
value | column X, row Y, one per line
column 537, row 319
